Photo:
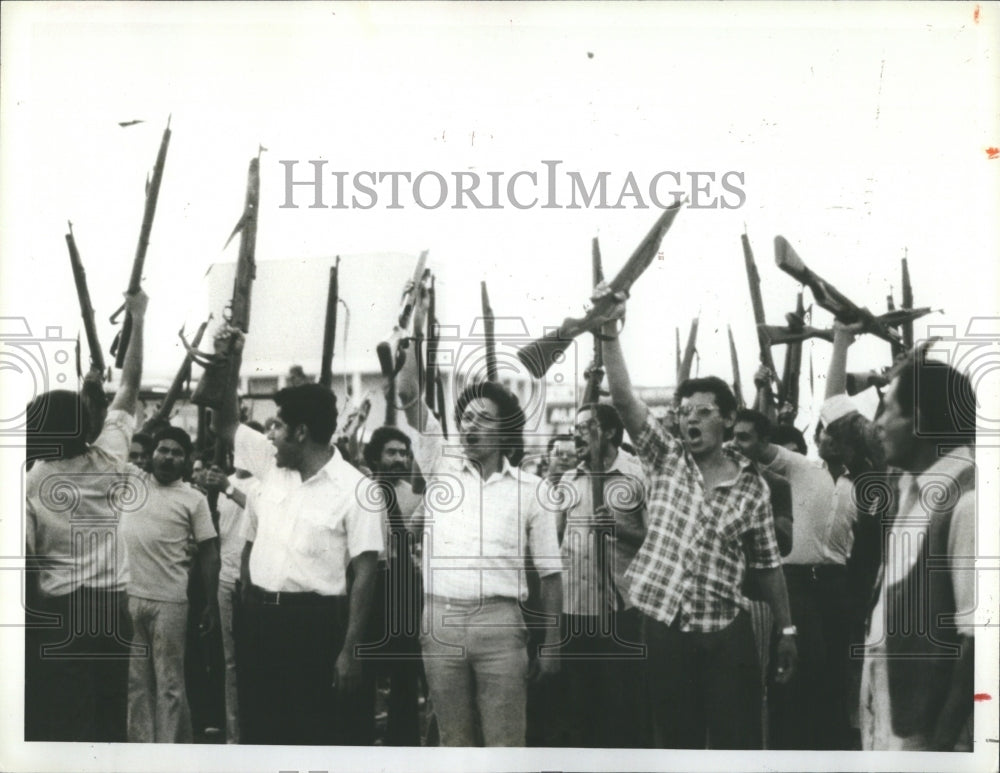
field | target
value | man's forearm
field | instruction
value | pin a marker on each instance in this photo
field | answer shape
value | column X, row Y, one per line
column 836, row 377
column 245, row 564
column 958, row 703
column 630, row 408
column 551, row 598
column 360, row 601
column 128, row 391
column 772, row 587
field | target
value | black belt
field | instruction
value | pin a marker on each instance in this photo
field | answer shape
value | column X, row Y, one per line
column 814, row 571
column 289, row 598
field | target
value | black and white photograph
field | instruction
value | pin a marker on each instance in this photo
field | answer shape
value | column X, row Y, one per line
column 499, row 386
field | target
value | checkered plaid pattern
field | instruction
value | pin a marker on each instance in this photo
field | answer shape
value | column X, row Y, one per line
column 698, row 546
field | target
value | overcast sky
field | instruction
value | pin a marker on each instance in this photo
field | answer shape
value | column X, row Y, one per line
column 858, row 131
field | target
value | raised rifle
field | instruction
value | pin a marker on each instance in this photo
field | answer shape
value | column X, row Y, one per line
column 392, row 351
column 788, row 394
column 489, row 324
column 434, row 384
column 907, row 327
column 764, row 397
column 330, row 326
column 350, row 431
column 735, row 362
column 828, row 296
column 690, row 349
column 183, row 375
column 220, row 376
column 539, row 355
column 86, row 309
column 120, row 345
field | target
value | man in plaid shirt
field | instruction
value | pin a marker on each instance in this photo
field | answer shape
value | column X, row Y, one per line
column 709, row 522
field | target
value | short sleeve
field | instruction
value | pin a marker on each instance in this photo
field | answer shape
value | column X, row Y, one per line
column 365, row 527
column 962, row 552
column 116, row 435
column 252, row 451
column 543, row 538
column 29, row 528
column 201, row 520
column 654, row 442
column 762, row 542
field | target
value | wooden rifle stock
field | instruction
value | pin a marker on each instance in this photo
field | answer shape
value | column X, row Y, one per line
column 539, row 355
column 907, row 327
column 330, row 326
column 86, row 309
column 391, row 349
column 120, row 345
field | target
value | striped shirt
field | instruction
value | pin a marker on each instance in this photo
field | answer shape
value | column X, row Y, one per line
column 698, row 544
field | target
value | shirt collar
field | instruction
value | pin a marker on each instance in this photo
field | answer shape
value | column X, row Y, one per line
column 620, row 465
column 506, row 468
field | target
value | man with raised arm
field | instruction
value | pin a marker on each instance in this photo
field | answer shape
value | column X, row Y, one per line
column 709, row 523
column 76, row 677
column 311, row 522
column 480, row 533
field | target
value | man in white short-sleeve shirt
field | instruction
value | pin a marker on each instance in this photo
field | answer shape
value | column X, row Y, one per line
column 314, row 531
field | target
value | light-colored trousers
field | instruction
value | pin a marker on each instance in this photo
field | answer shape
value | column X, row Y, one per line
column 476, row 662
column 157, row 699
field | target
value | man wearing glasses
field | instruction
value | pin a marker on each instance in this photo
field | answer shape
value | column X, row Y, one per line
column 709, row 524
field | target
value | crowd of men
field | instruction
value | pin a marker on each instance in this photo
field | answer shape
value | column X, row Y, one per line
column 702, row 584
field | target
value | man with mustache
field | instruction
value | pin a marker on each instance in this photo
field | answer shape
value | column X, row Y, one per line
column 709, row 524
column 162, row 537
column 396, row 609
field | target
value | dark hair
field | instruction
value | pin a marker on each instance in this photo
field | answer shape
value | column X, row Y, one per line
column 555, row 439
column 940, row 399
column 761, row 424
column 146, row 441
column 312, row 405
column 713, row 385
column 182, row 438
column 380, row 437
column 256, row 426
column 510, row 415
column 784, row 434
column 57, row 419
column 608, row 419
column 860, row 448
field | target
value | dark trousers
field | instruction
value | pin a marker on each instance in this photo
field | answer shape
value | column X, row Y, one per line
column 394, row 655
column 76, row 667
column 704, row 688
column 602, row 662
column 811, row 711
column 285, row 655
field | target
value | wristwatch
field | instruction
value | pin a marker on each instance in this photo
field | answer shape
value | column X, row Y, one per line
column 789, row 630
column 230, row 490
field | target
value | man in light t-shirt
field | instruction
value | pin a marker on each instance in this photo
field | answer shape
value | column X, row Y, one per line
column 162, row 537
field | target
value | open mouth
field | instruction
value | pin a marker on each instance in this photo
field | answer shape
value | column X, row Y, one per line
column 694, row 433
column 471, row 439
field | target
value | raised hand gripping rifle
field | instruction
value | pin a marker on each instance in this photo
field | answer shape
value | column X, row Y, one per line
column 120, row 345
column 220, row 376
column 539, row 355
column 392, row 351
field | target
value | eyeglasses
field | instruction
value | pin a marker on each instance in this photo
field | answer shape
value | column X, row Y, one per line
column 699, row 411
column 584, row 427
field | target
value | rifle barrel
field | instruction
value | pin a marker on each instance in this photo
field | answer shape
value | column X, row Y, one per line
column 330, row 326
column 86, row 309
